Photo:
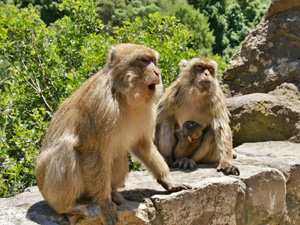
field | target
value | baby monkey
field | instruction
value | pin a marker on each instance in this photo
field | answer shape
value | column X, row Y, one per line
column 189, row 139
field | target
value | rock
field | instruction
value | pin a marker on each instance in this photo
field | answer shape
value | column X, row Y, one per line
column 279, row 6
column 269, row 55
column 285, row 157
column 266, row 192
column 263, row 117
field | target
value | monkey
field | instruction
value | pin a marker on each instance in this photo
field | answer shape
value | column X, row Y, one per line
column 83, row 158
column 188, row 140
column 196, row 95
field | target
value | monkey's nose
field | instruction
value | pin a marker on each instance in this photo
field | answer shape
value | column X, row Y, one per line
column 157, row 72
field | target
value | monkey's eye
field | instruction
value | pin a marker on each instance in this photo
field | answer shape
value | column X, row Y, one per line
column 211, row 71
column 200, row 67
column 145, row 60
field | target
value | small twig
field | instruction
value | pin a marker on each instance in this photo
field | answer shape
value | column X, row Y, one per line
column 32, row 84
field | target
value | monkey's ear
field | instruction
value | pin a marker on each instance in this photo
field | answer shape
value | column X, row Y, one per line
column 112, row 54
column 215, row 65
column 156, row 54
column 183, row 63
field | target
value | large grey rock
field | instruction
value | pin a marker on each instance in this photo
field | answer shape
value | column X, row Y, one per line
column 263, row 117
column 285, row 157
column 270, row 54
column 266, row 192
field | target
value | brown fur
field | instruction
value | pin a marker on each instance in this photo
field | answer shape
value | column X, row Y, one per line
column 197, row 96
column 83, row 160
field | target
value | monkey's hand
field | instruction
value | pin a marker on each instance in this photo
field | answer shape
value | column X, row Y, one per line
column 228, row 169
column 185, row 163
column 109, row 212
column 170, row 186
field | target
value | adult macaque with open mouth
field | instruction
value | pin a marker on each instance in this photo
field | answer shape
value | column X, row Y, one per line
column 83, row 160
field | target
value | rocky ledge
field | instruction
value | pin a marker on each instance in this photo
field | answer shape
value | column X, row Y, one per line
column 266, row 192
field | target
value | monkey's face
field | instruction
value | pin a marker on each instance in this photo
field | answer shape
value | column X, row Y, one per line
column 203, row 75
column 193, row 130
column 137, row 75
column 201, row 72
column 148, row 75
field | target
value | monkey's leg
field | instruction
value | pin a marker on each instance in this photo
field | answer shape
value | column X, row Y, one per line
column 62, row 181
column 97, row 172
column 166, row 140
column 205, row 147
column 147, row 153
column 119, row 171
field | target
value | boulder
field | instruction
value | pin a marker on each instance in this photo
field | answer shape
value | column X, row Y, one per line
column 263, row 80
column 269, row 56
column 266, row 116
column 285, row 157
column 266, row 192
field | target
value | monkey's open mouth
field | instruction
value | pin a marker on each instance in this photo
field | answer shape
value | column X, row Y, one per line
column 151, row 86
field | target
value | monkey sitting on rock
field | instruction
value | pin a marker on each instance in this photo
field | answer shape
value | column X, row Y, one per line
column 83, row 159
column 196, row 96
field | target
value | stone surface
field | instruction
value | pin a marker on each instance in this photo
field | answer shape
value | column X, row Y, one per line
column 279, row 6
column 266, row 192
column 263, row 117
column 285, row 157
column 269, row 55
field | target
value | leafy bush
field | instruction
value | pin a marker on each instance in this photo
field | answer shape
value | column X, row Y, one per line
column 119, row 10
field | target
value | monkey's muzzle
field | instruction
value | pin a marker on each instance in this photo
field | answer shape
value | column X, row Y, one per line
column 151, row 86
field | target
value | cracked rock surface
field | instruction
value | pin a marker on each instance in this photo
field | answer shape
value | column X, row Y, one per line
column 270, row 53
column 266, row 192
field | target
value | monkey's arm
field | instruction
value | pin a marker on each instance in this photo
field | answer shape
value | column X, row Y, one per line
column 205, row 147
column 223, row 142
column 146, row 152
column 165, row 139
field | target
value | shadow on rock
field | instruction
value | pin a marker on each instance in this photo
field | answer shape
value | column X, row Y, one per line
column 199, row 166
column 43, row 214
column 138, row 195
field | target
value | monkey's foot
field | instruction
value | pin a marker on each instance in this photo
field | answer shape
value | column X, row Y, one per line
column 229, row 170
column 74, row 219
column 117, row 197
column 185, row 163
column 109, row 212
column 88, row 210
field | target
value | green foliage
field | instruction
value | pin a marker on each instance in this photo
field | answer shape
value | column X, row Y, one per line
column 47, row 64
column 164, row 34
column 42, row 65
column 48, row 9
column 115, row 12
column 197, row 24
column 231, row 21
